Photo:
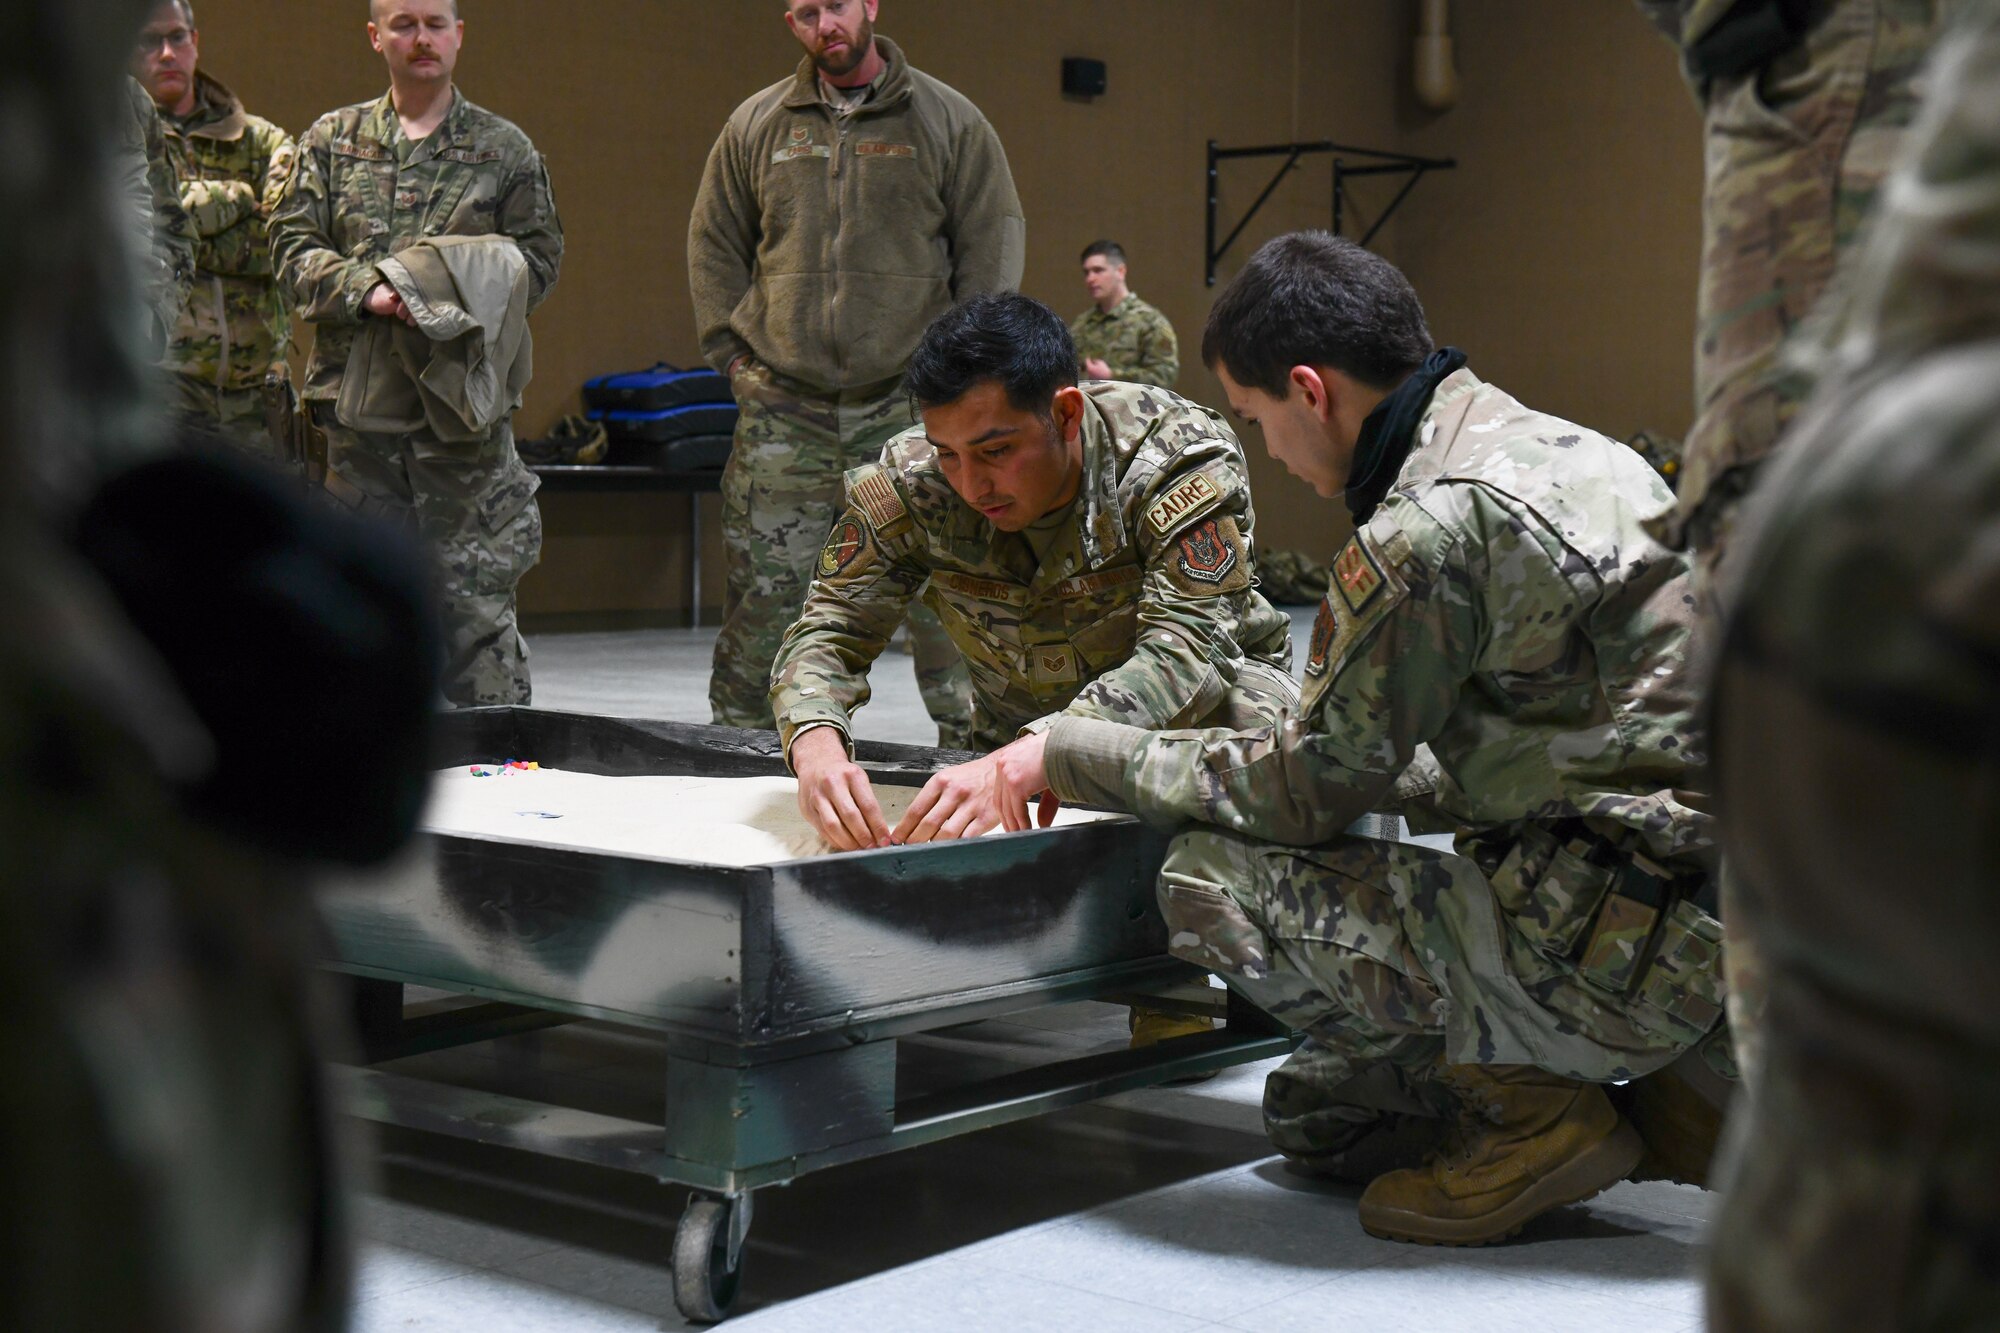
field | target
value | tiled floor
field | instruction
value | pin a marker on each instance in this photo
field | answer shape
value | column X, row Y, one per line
column 1157, row 1211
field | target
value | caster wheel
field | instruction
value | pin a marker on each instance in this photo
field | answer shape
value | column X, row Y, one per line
column 708, row 1260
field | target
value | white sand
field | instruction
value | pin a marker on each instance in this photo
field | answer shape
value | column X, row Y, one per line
column 716, row 821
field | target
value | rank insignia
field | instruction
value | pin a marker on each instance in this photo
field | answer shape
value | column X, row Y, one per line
column 1326, row 627
column 1357, row 575
column 1206, row 555
column 844, row 545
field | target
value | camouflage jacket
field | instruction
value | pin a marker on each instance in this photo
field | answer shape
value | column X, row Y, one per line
column 231, row 165
column 1143, row 611
column 361, row 192
column 1503, row 606
column 163, row 234
column 1133, row 338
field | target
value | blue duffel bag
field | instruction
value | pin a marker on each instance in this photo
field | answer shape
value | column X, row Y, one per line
column 668, row 425
column 655, row 390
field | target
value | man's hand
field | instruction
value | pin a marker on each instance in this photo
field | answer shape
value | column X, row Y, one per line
column 1097, row 368
column 383, row 300
column 834, row 794
column 966, row 801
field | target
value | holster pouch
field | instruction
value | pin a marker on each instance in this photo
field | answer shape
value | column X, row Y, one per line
column 282, row 420
column 1656, row 944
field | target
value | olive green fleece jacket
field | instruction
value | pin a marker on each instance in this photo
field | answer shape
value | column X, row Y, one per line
column 825, row 245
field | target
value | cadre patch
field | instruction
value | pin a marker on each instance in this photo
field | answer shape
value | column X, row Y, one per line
column 1185, row 502
column 847, row 543
column 876, row 496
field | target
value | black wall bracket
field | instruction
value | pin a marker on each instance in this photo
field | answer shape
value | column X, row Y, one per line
column 1376, row 163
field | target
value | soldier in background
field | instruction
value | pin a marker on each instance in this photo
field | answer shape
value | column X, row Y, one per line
column 1856, row 758
column 1803, row 108
column 1121, row 337
column 150, row 193
column 227, row 353
column 1502, row 654
column 842, row 210
column 371, row 180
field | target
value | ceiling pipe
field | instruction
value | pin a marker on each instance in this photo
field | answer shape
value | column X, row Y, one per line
column 1435, row 70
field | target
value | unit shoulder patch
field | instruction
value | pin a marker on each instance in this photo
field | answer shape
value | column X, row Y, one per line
column 1184, row 502
column 874, row 492
column 1208, row 559
column 845, row 544
column 1366, row 588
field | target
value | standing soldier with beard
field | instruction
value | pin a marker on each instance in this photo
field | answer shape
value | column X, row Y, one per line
column 843, row 209
column 372, row 181
column 227, row 353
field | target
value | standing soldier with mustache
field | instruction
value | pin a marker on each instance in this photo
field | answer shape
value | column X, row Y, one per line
column 843, row 209
column 371, row 181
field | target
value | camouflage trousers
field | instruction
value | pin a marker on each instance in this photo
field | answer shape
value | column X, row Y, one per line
column 237, row 414
column 1796, row 154
column 1394, row 954
column 1866, row 1184
column 780, row 496
column 474, row 504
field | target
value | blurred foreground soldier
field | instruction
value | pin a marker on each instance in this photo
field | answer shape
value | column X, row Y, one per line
column 161, row 228
column 1804, row 105
column 364, row 242
column 1856, row 754
column 167, row 1154
column 842, row 210
column 1088, row 551
column 1502, row 651
column 227, row 353
column 1121, row 337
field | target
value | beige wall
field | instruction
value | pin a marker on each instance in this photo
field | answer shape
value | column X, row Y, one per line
column 1561, row 253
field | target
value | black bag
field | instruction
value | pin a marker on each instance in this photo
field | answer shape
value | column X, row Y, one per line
column 667, row 425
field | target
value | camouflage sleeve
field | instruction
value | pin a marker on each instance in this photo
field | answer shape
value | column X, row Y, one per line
column 528, row 215
column 1193, row 542
column 1397, row 640
column 863, row 582
column 277, row 174
column 722, row 246
column 1159, row 360
column 321, row 284
column 983, row 219
column 168, row 236
column 216, row 206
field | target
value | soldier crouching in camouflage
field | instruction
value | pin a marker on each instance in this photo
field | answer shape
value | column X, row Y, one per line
column 372, row 181
column 226, row 355
column 1855, row 758
column 1088, row 550
column 1501, row 649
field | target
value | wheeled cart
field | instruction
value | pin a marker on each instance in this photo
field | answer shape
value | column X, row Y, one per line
column 778, row 991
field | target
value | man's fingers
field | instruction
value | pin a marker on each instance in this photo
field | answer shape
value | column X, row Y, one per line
column 920, row 807
column 827, row 820
column 1045, row 815
column 968, row 821
column 869, row 808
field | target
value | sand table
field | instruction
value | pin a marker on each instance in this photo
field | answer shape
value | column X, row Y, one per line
column 717, row 821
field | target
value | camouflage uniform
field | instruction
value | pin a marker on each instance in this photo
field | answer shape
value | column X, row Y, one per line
column 1504, row 607
column 1855, row 765
column 1133, row 338
column 1800, row 131
column 152, row 193
column 233, row 332
column 360, row 193
column 167, row 1153
column 827, row 236
column 1142, row 609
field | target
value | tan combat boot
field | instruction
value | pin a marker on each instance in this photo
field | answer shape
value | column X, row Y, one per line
column 1526, row 1142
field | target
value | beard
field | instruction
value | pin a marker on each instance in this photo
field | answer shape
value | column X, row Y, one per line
column 864, row 42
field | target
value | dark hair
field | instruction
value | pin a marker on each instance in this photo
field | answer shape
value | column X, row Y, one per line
column 1009, row 338
column 1111, row 250
column 1313, row 299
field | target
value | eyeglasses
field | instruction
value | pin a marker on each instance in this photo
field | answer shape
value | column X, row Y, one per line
column 174, row 39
